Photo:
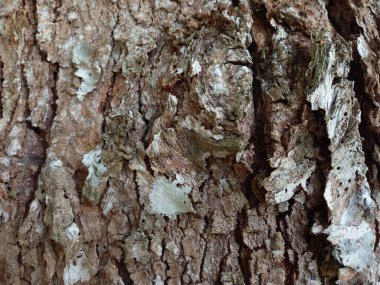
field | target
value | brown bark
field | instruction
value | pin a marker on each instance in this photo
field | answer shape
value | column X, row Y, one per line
column 189, row 142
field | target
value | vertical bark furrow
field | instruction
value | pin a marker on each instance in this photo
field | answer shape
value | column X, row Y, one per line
column 1, row 87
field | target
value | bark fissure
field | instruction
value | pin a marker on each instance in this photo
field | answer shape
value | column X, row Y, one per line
column 290, row 267
column 259, row 139
column 344, row 23
column 244, row 251
column 342, row 19
column 1, row 87
column 123, row 271
column 357, row 75
column 54, row 82
column 105, row 105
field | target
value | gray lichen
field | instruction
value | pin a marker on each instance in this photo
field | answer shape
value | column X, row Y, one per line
column 87, row 68
column 166, row 198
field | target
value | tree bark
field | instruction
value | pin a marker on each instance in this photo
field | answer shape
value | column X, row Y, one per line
column 189, row 142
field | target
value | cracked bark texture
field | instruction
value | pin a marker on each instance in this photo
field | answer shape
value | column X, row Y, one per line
column 189, row 142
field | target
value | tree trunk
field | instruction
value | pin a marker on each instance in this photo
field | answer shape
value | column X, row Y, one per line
column 189, row 142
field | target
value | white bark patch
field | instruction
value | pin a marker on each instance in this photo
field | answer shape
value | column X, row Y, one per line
column 154, row 147
column 192, row 124
column 347, row 191
column 195, row 68
column 34, row 206
column 13, row 143
column 95, row 167
column 346, row 160
column 75, row 271
column 158, row 280
column 156, row 248
column 339, row 116
column 281, row 33
column 219, row 83
column 168, row 199
column 172, row 247
column 45, row 28
column 7, row 6
column 285, row 179
column 292, row 170
column 353, row 245
column 72, row 232
column 109, row 201
column 136, row 247
column 362, row 47
column 55, row 164
column 212, row 99
column 4, row 215
column 167, row 5
column 87, row 69
column 172, row 104
column 321, row 97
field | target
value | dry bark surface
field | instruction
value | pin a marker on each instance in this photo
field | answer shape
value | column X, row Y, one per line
column 189, row 142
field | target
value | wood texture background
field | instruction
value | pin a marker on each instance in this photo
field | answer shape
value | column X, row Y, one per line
column 263, row 116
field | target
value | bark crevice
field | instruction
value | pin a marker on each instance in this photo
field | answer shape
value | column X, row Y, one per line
column 1, row 87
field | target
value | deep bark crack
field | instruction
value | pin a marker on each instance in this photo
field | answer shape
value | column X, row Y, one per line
column 123, row 271
column 1, row 87
column 290, row 269
column 244, row 252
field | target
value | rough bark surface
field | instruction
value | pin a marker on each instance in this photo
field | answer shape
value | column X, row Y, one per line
column 189, row 142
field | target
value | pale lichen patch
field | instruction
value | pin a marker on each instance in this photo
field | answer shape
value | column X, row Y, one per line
column 168, row 199
column 95, row 183
column 45, row 28
column 347, row 192
column 87, row 69
column 190, row 123
column 96, row 168
column 7, row 6
column 281, row 33
column 156, row 247
column 158, row 280
column 342, row 113
column 353, row 245
column 109, row 201
column 321, row 83
column 195, row 68
column 154, row 147
column 13, row 143
column 172, row 105
column 136, row 247
column 292, row 170
column 172, row 247
column 72, row 232
column 55, row 163
column 4, row 215
column 283, row 182
column 362, row 47
column 75, row 271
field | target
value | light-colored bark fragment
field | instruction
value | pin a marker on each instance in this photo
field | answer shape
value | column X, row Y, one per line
column 168, row 199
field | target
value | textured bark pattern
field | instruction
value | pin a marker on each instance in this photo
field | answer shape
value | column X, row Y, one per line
column 189, row 142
